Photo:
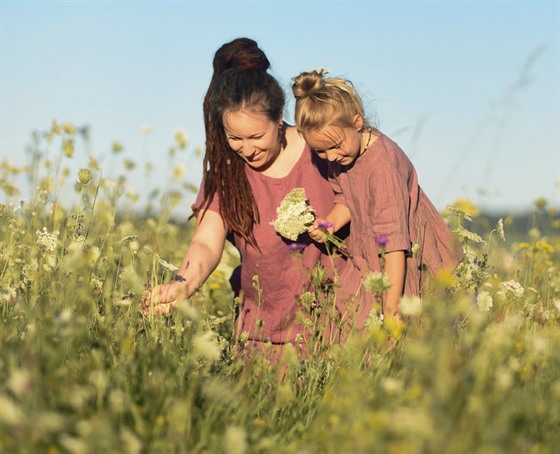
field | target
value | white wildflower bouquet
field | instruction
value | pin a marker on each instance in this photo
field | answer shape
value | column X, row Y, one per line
column 295, row 215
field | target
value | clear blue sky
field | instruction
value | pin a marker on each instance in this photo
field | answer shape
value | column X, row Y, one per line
column 470, row 90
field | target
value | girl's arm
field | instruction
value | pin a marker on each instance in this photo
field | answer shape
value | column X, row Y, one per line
column 202, row 257
column 338, row 217
column 395, row 268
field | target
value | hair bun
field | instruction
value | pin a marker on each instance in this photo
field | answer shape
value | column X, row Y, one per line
column 309, row 83
column 241, row 54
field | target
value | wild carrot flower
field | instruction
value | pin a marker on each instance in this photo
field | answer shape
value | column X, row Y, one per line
column 410, row 305
column 376, row 283
column 374, row 318
column 294, row 215
column 484, row 301
column 47, row 241
column 514, row 287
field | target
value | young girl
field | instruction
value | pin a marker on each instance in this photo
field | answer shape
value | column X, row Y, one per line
column 395, row 228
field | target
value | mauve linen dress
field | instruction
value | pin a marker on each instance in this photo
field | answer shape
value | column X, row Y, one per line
column 282, row 275
column 382, row 193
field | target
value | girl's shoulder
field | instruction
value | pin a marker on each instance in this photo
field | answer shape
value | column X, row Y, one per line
column 387, row 149
column 293, row 137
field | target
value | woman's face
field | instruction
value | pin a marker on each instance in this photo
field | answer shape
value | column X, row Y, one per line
column 334, row 143
column 253, row 136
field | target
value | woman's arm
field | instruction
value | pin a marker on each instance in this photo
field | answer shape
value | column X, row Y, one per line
column 202, row 257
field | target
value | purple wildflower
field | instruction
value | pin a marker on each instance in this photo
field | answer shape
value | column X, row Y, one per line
column 381, row 240
column 295, row 247
column 326, row 224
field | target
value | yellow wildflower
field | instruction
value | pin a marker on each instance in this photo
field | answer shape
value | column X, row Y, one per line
column 68, row 127
column 117, row 147
column 84, row 177
column 68, row 147
column 180, row 139
column 467, row 206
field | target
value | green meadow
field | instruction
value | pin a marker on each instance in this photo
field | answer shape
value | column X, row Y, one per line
column 476, row 368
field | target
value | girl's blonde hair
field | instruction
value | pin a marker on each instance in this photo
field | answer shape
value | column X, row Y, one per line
column 322, row 102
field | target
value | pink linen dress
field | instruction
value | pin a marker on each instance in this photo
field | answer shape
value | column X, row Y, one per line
column 271, row 316
column 380, row 188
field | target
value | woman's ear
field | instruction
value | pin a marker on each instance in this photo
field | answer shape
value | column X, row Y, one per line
column 358, row 122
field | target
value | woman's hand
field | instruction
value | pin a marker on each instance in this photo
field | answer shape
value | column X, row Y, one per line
column 164, row 298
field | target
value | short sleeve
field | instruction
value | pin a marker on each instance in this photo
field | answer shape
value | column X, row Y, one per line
column 339, row 198
column 214, row 204
column 389, row 197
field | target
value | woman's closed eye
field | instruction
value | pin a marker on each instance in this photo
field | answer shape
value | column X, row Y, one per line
column 255, row 137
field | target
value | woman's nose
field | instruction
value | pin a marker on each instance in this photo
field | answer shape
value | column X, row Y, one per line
column 247, row 149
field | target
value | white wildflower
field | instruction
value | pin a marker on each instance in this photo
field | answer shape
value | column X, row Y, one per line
column 19, row 382
column 392, row 385
column 500, row 229
column 468, row 235
column 514, row 287
column 11, row 413
column 484, row 301
column 504, row 378
column 47, row 241
column 206, row 346
column 376, row 283
column 168, row 266
column 410, row 305
column 374, row 319
column 294, row 215
column 236, row 439
column 534, row 234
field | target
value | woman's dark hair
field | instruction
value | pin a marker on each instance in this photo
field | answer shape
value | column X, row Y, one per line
column 240, row 82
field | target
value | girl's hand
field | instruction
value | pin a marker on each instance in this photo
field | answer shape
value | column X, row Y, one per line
column 318, row 232
column 164, row 298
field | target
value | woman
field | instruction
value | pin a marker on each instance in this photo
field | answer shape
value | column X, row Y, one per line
column 253, row 159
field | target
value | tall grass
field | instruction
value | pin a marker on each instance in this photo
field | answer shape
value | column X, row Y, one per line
column 477, row 371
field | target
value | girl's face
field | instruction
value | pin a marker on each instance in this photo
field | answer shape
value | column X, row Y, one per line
column 335, row 143
column 253, row 136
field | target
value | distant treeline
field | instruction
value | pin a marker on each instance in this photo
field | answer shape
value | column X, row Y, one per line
column 517, row 225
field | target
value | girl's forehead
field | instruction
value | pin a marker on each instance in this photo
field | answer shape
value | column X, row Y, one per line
column 329, row 134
